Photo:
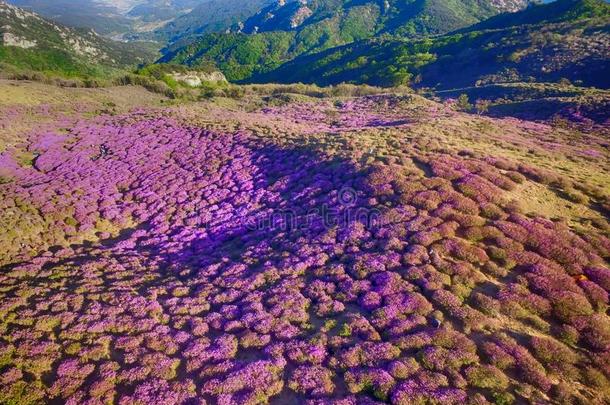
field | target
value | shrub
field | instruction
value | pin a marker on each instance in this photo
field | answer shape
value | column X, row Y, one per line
column 463, row 103
column 503, row 398
column 554, row 355
column 568, row 306
column 486, row 304
column 487, row 377
column 594, row 378
column 494, row 270
column 516, row 177
column 597, row 332
column 600, row 276
column 416, row 255
column 492, row 211
column 563, row 392
column 538, row 175
column 378, row 381
column 482, row 106
column 150, row 84
column 464, row 251
column 596, row 295
column 312, row 380
column 403, row 368
column 567, row 334
column 479, row 189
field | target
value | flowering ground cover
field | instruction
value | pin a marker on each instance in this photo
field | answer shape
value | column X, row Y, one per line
column 357, row 251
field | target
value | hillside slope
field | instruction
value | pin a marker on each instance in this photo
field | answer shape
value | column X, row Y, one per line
column 574, row 45
column 101, row 16
column 555, row 11
column 208, row 17
column 286, row 30
column 370, row 250
column 31, row 42
column 117, row 19
column 395, row 16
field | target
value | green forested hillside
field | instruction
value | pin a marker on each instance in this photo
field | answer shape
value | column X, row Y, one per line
column 556, row 11
column 404, row 17
column 283, row 31
column 94, row 14
column 237, row 55
column 576, row 47
column 32, row 43
column 211, row 16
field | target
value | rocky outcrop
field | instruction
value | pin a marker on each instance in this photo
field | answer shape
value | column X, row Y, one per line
column 300, row 16
column 9, row 39
column 510, row 5
column 196, row 79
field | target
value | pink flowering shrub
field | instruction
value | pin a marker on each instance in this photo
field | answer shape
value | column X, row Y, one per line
column 312, row 380
column 166, row 263
column 377, row 381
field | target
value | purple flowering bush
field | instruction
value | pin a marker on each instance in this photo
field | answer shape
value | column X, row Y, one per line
column 150, row 260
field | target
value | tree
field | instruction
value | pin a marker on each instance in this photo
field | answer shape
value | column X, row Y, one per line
column 482, row 106
column 463, row 103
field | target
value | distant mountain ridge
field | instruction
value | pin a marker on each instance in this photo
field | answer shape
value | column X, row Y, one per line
column 549, row 12
column 102, row 16
column 288, row 29
column 206, row 17
column 135, row 20
column 31, row 42
column 398, row 16
column 567, row 39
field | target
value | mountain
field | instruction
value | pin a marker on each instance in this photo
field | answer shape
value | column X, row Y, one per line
column 127, row 19
column 105, row 18
column 208, row 17
column 159, row 10
column 567, row 39
column 396, row 16
column 288, row 29
column 30, row 42
column 556, row 11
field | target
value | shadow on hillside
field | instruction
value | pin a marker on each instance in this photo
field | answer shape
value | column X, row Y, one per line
column 300, row 196
column 547, row 109
column 301, row 201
